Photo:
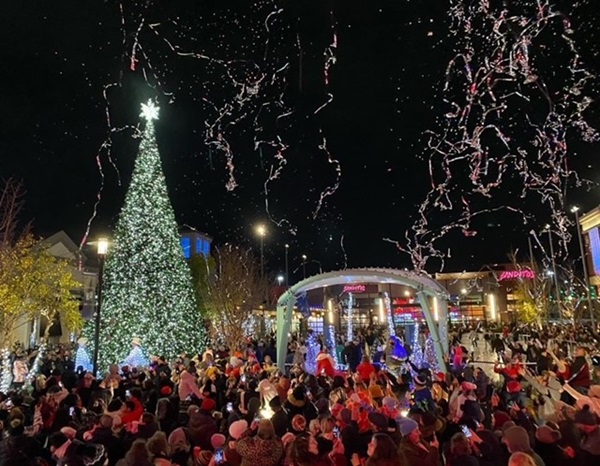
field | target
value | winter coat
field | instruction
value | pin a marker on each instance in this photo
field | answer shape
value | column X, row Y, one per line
column 413, row 455
column 202, row 427
column 280, row 423
column 255, row 450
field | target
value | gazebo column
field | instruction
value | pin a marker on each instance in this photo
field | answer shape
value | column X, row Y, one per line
column 433, row 330
column 285, row 310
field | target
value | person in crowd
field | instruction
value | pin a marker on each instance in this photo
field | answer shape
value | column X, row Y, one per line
column 413, row 449
column 176, row 411
column 264, row 448
column 305, row 452
column 382, row 451
column 517, row 439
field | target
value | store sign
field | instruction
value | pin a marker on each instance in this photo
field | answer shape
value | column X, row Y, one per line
column 524, row 274
column 354, row 288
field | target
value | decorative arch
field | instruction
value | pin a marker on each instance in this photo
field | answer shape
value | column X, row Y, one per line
column 426, row 289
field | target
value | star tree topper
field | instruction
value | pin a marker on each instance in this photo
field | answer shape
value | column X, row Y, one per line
column 149, row 111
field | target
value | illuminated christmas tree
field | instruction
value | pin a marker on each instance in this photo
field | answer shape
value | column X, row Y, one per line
column 147, row 290
column 431, row 356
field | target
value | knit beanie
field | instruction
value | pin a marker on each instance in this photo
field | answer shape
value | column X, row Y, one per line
column 237, row 428
column 407, row 425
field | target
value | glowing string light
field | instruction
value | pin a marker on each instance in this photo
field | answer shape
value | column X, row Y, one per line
column 349, row 319
column 36, row 366
column 388, row 309
column 332, row 343
column 6, row 372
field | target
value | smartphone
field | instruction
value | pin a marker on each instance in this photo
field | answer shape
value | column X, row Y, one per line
column 219, row 456
column 336, row 432
column 230, row 407
column 466, row 431
column 72, row 411
column 128, row 393
column 243, row 378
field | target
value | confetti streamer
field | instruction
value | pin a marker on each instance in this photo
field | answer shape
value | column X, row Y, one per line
column 501, row 144
column 239, row 89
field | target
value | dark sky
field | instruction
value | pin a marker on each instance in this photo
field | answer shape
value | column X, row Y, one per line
column 57, row 57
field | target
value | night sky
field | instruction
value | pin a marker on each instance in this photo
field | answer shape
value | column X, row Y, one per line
column 193, row 57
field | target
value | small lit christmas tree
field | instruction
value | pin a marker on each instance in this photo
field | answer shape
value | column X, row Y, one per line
column 312, row 351
column 147, row 285
column 430, row 355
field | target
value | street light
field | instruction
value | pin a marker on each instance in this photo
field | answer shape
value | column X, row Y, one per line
column 586, row 277
column 554, row 274
column 261, row 230
column 304, row 265
column 102, row 249
column 280, row 279
column 287, row 272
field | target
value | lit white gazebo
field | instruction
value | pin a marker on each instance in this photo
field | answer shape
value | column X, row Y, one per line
column 428, row 292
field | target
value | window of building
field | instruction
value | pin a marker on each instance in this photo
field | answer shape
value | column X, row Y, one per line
column 186, row 245
column 206, row 248
column 199, row 246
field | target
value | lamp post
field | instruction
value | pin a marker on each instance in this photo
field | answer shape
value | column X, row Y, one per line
column 280, row 279
column 554, row 274
column 102, row 249
column 586, row 277
column 262, row 231
column 287, row 273
column 304, row 265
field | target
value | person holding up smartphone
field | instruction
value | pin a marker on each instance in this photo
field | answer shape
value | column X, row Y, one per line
column 415, row 451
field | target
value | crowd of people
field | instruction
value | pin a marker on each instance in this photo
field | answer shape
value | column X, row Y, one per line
column 536, row 404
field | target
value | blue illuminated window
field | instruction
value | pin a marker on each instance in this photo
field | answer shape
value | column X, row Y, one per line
column 186, row 245
column 595, row 247
column 206, row 248
column 199, row 246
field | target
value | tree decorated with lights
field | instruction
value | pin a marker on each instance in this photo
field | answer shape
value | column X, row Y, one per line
column 147, row 291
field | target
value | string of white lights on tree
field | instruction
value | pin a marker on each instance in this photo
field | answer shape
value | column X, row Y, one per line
column 6, row 371
column 387, row 302
column 332, row 343
column 147, row 284
column 349, row 319
column 36, row 366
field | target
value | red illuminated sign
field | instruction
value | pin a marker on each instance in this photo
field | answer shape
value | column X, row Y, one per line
column 524, row 274
column 354, row 288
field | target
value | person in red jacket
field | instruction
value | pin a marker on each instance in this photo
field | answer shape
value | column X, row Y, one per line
column 579, row 372
column 365, row 369
column 325, row 364
column 133, row 407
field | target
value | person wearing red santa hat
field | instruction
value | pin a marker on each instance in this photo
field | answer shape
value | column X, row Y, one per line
column 325, row 364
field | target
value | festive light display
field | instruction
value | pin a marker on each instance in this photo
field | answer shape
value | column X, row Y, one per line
column 388, row 310
column 82, row 359
column 430, row 357
column 417, row 355
column 349, row 312
column 6, row 371
column 147, row 284
column 136, row 357
column 36, row 366
column 312, row 351
column 332, row 343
